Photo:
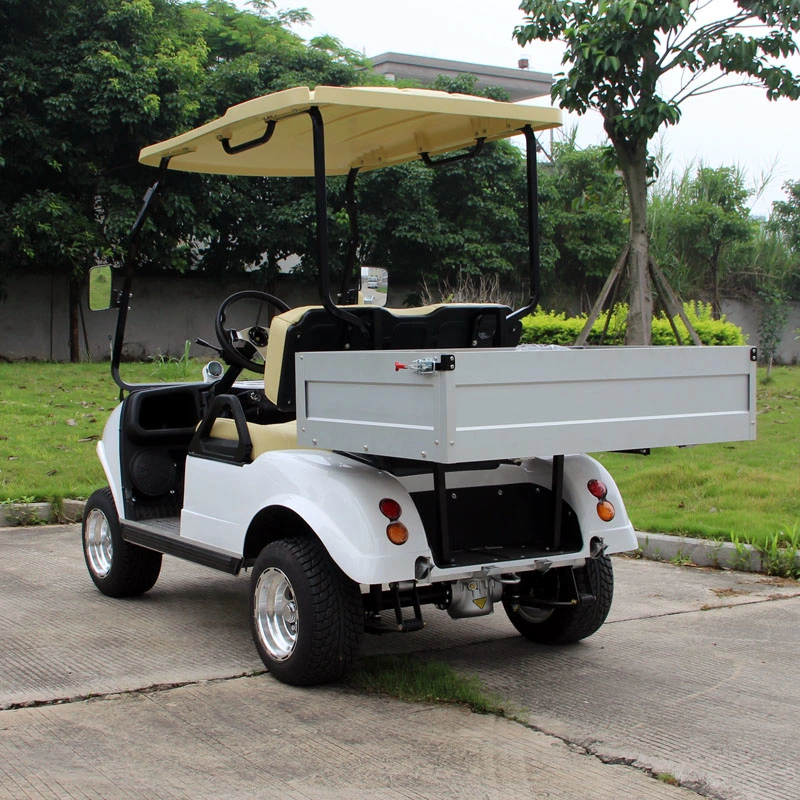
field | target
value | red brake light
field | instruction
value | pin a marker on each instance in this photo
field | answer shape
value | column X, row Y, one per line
column 390, row 508
column 597, row 489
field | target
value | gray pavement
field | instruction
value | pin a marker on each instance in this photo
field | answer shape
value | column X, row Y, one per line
column 694, row 675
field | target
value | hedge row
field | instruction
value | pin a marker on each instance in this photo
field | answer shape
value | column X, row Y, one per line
column 550, row 327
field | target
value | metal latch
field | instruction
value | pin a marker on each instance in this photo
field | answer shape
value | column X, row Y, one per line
column 425, row 366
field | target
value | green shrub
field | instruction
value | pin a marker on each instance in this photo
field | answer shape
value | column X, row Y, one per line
column 551, row 327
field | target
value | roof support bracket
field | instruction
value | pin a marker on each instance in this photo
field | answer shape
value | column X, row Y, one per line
column 471, row 153
column 232, row 150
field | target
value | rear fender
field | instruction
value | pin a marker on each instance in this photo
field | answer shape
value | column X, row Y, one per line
column 618, row 534
column 337, row 498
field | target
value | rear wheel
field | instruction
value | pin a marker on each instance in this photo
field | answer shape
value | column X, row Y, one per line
column 118, row 568
column 306, row 615
column 563, row 624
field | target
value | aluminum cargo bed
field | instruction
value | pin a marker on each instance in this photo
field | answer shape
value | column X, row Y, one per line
column 513, row 403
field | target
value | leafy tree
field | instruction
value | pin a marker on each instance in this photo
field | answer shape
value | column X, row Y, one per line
column 786, row 216
column 437, row 225
column 618, row 52
column 583, row 217
column 772, row 319
column 80, row 83
column 711, row 217
column 84, row 84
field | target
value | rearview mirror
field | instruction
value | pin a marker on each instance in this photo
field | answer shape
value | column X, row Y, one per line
column 374, row 286
column 100, row 291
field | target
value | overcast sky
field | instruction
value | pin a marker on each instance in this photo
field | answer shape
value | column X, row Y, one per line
column 734, row 127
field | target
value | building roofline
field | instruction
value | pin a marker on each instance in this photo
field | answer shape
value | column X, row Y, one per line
column 521, row 84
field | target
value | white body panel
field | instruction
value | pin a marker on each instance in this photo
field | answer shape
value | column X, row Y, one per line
column 518, row 403
column 338, row 499
column 108, row 453
column 336, row 496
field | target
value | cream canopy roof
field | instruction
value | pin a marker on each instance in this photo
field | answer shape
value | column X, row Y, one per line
column 364, row 127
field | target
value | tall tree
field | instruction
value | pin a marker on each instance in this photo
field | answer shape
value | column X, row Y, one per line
column 583, row 217
column 785, row 217
column 84, row 84
column 617, row 53
column 712, row 219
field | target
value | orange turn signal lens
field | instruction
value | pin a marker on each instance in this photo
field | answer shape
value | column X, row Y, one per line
column 397, row 533
column 605, row 511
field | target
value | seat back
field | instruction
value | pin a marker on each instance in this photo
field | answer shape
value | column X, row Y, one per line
column 440, row 327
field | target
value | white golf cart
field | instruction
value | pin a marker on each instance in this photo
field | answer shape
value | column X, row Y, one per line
column 389, row 459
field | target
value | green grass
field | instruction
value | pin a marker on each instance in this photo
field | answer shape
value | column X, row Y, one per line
column 416, row 681
column 746, row 491
column 51, row 416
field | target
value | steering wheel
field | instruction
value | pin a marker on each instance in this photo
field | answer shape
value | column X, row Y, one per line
column 240, row 347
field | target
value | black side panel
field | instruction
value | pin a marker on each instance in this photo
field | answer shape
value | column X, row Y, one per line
column 486, row 522
column 157, row 426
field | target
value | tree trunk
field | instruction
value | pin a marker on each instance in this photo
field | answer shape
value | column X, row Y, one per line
column 633, row 162
column 74, row 319
column 716, row 305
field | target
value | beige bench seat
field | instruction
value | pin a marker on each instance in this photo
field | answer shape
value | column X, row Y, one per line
column 278, row 436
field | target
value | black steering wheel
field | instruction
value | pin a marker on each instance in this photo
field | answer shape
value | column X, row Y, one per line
column 240, row 347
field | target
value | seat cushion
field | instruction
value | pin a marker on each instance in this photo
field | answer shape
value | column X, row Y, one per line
column 278, row 436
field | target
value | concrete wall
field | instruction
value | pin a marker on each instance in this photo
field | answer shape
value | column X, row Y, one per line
column 167, row 310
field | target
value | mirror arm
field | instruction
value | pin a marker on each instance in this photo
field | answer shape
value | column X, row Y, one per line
column 534, row 261
column 153, row 194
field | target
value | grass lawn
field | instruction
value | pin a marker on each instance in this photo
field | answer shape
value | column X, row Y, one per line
column 740, row 490
column 51, row 416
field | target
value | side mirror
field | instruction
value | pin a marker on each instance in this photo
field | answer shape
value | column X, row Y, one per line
column 374, row 286
column 100, row 291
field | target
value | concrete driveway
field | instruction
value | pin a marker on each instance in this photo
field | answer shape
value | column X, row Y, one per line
column 695, row 675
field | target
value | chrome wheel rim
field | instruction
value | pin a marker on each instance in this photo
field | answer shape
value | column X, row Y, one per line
column 97, row 542
column 275, row 614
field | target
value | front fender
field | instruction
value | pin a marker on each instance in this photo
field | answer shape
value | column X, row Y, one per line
column 109, row 454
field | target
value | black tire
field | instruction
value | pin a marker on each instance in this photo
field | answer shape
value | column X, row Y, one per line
column 563, row 625
column 306, row 615
column 118, row 568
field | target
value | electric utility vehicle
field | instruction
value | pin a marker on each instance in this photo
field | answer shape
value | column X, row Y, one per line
column 389, row 460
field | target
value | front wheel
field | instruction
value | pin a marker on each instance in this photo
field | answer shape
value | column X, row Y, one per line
column 562, row 624
column 118, row 568
column 306, row 615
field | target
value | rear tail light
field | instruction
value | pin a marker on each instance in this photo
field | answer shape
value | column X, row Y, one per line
column 597, row 488
column 605, row 510
column 390, row 509
column 396, row 532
